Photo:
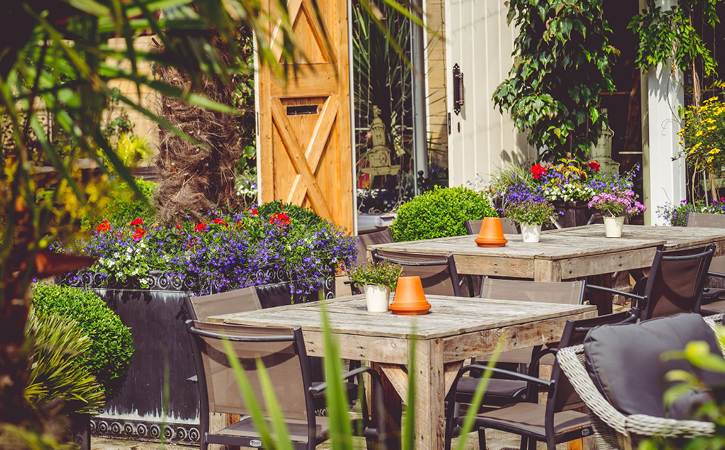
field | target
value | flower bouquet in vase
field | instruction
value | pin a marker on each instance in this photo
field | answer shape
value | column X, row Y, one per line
column 615, row 206
column 530, row 214
column 379, row 279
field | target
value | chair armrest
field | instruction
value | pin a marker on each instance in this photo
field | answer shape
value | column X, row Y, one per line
column 534, row 365
column 351, row 374
column 516, row 375
column 615, row 291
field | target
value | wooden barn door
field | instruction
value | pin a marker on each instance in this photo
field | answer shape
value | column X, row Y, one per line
column 304, row 128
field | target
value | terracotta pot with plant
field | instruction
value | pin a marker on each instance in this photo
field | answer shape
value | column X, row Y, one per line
column 379, row 279
column 530, row 214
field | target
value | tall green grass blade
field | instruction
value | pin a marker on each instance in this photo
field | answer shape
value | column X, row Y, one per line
column 278, row 423
column 335, row 395
column 478, row 397
column 245, row 389
column 409, row 427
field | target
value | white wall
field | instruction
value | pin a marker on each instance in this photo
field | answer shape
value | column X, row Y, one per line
column 479, row 40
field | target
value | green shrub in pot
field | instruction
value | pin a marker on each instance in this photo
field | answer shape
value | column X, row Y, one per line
column 440, row 213
column 111, row 347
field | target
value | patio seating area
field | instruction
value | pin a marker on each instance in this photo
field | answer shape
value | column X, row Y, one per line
column 338, row 224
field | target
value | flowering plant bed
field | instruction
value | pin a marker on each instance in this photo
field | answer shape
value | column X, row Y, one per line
column 568, row 180
column 222, row 252
column 676, row 213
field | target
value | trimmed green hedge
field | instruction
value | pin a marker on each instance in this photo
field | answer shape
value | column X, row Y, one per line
column 440, row 213
column 111, row 348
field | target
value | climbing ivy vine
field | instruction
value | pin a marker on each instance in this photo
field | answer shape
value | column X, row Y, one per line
column 562, row 63
column 671, row 33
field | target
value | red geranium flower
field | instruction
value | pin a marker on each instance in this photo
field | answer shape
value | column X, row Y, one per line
column 178, row 227
column 252, row 211
column 138, row 234
column 537, row 170
column 239, row 224
column 594, row 166
column 103, row 227
column 201, row 227
column 220, row 222
column 280, row 219
column 136, row 222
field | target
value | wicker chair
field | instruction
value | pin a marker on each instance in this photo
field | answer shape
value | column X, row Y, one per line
column 554, row 422
column 438, row 273
column 503, row 391
column 674, row 285
column 618, row 429
column 282, row 351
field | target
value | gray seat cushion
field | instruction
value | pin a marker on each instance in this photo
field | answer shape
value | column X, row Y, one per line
column 530, row 417
column 624, row 362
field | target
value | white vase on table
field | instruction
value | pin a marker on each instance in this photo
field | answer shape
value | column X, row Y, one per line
column 377, row 297
column 613, row 226
column 531, row 232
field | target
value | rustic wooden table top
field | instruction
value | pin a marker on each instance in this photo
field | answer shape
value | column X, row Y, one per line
column 676, row 237
column 552, row 246
column 448, row 316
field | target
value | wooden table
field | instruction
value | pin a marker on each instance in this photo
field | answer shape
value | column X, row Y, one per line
column 676, row 238
column 558, row 256
column 455, row 329
column 567, row 253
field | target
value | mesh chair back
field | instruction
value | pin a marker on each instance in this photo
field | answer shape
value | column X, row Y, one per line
column 474, row 226
column 565, row 397
column 567, row 292
column 200, row 308
column 437, row 272
column 705, row 220
column 676, row 281
column 281, row 350
column 364, row 240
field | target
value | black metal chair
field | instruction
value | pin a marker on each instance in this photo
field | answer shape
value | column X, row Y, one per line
column 246, row 299
column 554, row 422
column 674, row 284
column 282, row 351
column 712, row 294
column 502, row 391
column 437, row 272
column 239, row 300
column 508, row 226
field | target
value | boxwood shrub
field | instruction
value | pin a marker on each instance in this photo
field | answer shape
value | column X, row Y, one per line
column 111, row 349
column 440, row 213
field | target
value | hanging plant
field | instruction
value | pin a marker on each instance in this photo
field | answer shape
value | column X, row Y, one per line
column 563, row 62
column 671, row 33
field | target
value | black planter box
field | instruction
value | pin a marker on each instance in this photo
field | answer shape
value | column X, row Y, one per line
column 157, row 318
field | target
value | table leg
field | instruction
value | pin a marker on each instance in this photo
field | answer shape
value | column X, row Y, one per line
column 603, row 300
column 430, row 395
column 393, row 411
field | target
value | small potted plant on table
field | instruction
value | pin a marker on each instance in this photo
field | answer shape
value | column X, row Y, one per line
column 530, row 213
column 379, row 279
column 615, row 207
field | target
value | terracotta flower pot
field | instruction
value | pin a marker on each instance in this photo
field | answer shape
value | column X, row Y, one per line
column 409, row 297
column 491, row 234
